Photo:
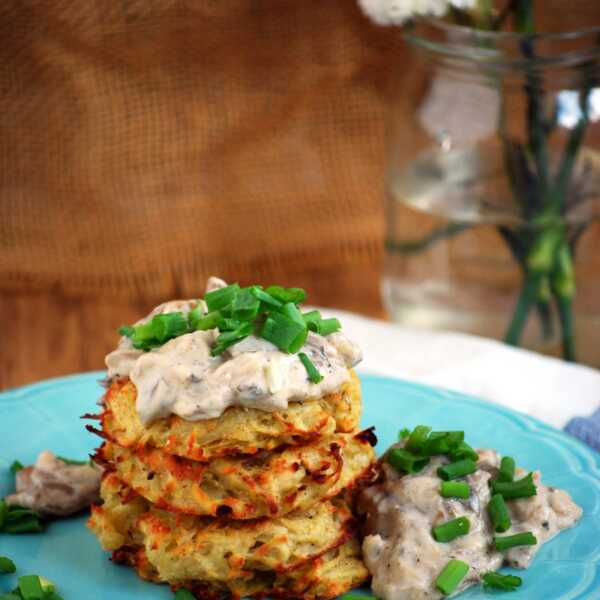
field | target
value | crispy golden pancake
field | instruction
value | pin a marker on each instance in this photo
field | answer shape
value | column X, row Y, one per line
column 265, row 484
column 327, row 576
column 237, row 430
column 181, row 547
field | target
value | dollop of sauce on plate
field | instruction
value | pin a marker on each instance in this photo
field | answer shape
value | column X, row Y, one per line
column 400, row 551
column 55, row 488
column 182, row 378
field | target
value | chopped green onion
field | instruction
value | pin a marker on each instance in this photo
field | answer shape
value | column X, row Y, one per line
column 229, row 324
column 16, row 596
column 70, row 461
column 7, row 565
column 455, row 489
column 259, row 293
column 510, row 541
column 353, row 596
column 245, row 305
column 463, row 450
column 30, row 587
column 209, row 321
column 126, row 330
column 285, row 295
column 449, row 579
column 3, row 512
column 501, row 582
column 15, row 513
column 499, row 515
column 417, row 438
column 451, row 530
column 16, row 466
column 457, row 469
column 507, row 469
column 222, row 297
column 403, row 434
column 403, row 460
column 289, row 336
column 442, row 442
column 26, row 525
column 195, row 315
column 327, row 326
column 47, row 585
column 168, row 326
column 183, row 594
column 311, row 319
column 229, row 338
column 313, row 373
column 522, row 488
column 291, row 311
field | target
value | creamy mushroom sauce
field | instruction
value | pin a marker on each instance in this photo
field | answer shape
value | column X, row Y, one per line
column 55, row 488
column 400, row 551
column 182, row 378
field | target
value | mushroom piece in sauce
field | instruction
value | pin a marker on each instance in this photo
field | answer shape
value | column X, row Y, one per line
column 55, row 488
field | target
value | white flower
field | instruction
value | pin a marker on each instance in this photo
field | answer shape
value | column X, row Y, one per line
column 396, row 12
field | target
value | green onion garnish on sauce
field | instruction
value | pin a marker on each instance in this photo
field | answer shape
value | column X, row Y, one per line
column 328, row 326
column 403, row 434
column 507, row 469
column 313, row 373
column 403, row 460
column 449, row 579
column 463, row 450
column 442, row 442
column 221, row 298
column 229, row 338
column 451, row 530
column 236, row 313
column 16, row 466
column 498, row 581
column 7, row 565
column 265, row 298
column 499, row 515
column 457, row 469
column 515, row 489
column 286, row 295
column 417, row 438
column 455, row 489
column 510, row 541
column 245, row 306
column 30, row 587
column 289, row 336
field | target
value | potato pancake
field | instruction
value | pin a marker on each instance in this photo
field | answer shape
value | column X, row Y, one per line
column 327, row 576
column 237, row 430
column 182, row 547
column 265, row 484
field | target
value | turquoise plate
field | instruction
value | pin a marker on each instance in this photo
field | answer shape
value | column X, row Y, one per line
column 46, row 415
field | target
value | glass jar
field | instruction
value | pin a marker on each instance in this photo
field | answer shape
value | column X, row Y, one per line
column 493, row 187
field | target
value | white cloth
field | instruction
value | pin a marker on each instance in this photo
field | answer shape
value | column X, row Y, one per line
column 547, row 388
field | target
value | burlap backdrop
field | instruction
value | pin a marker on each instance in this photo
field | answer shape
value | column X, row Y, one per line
column 147, row 143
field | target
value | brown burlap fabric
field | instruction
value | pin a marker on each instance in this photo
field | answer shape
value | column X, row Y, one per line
column 148, row 143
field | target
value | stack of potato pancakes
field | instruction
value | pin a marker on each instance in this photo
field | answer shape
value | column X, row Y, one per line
column 252, row 503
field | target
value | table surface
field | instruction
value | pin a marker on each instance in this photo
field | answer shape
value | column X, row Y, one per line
column 48, row 334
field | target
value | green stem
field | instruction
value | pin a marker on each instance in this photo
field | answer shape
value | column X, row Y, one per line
column 565, row 171
column 524, row 13
column 565, row 312
column 527, row 298
column 518, row 249
column 415, row 246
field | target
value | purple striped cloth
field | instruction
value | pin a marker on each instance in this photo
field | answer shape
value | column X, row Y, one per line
column 587, row 429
